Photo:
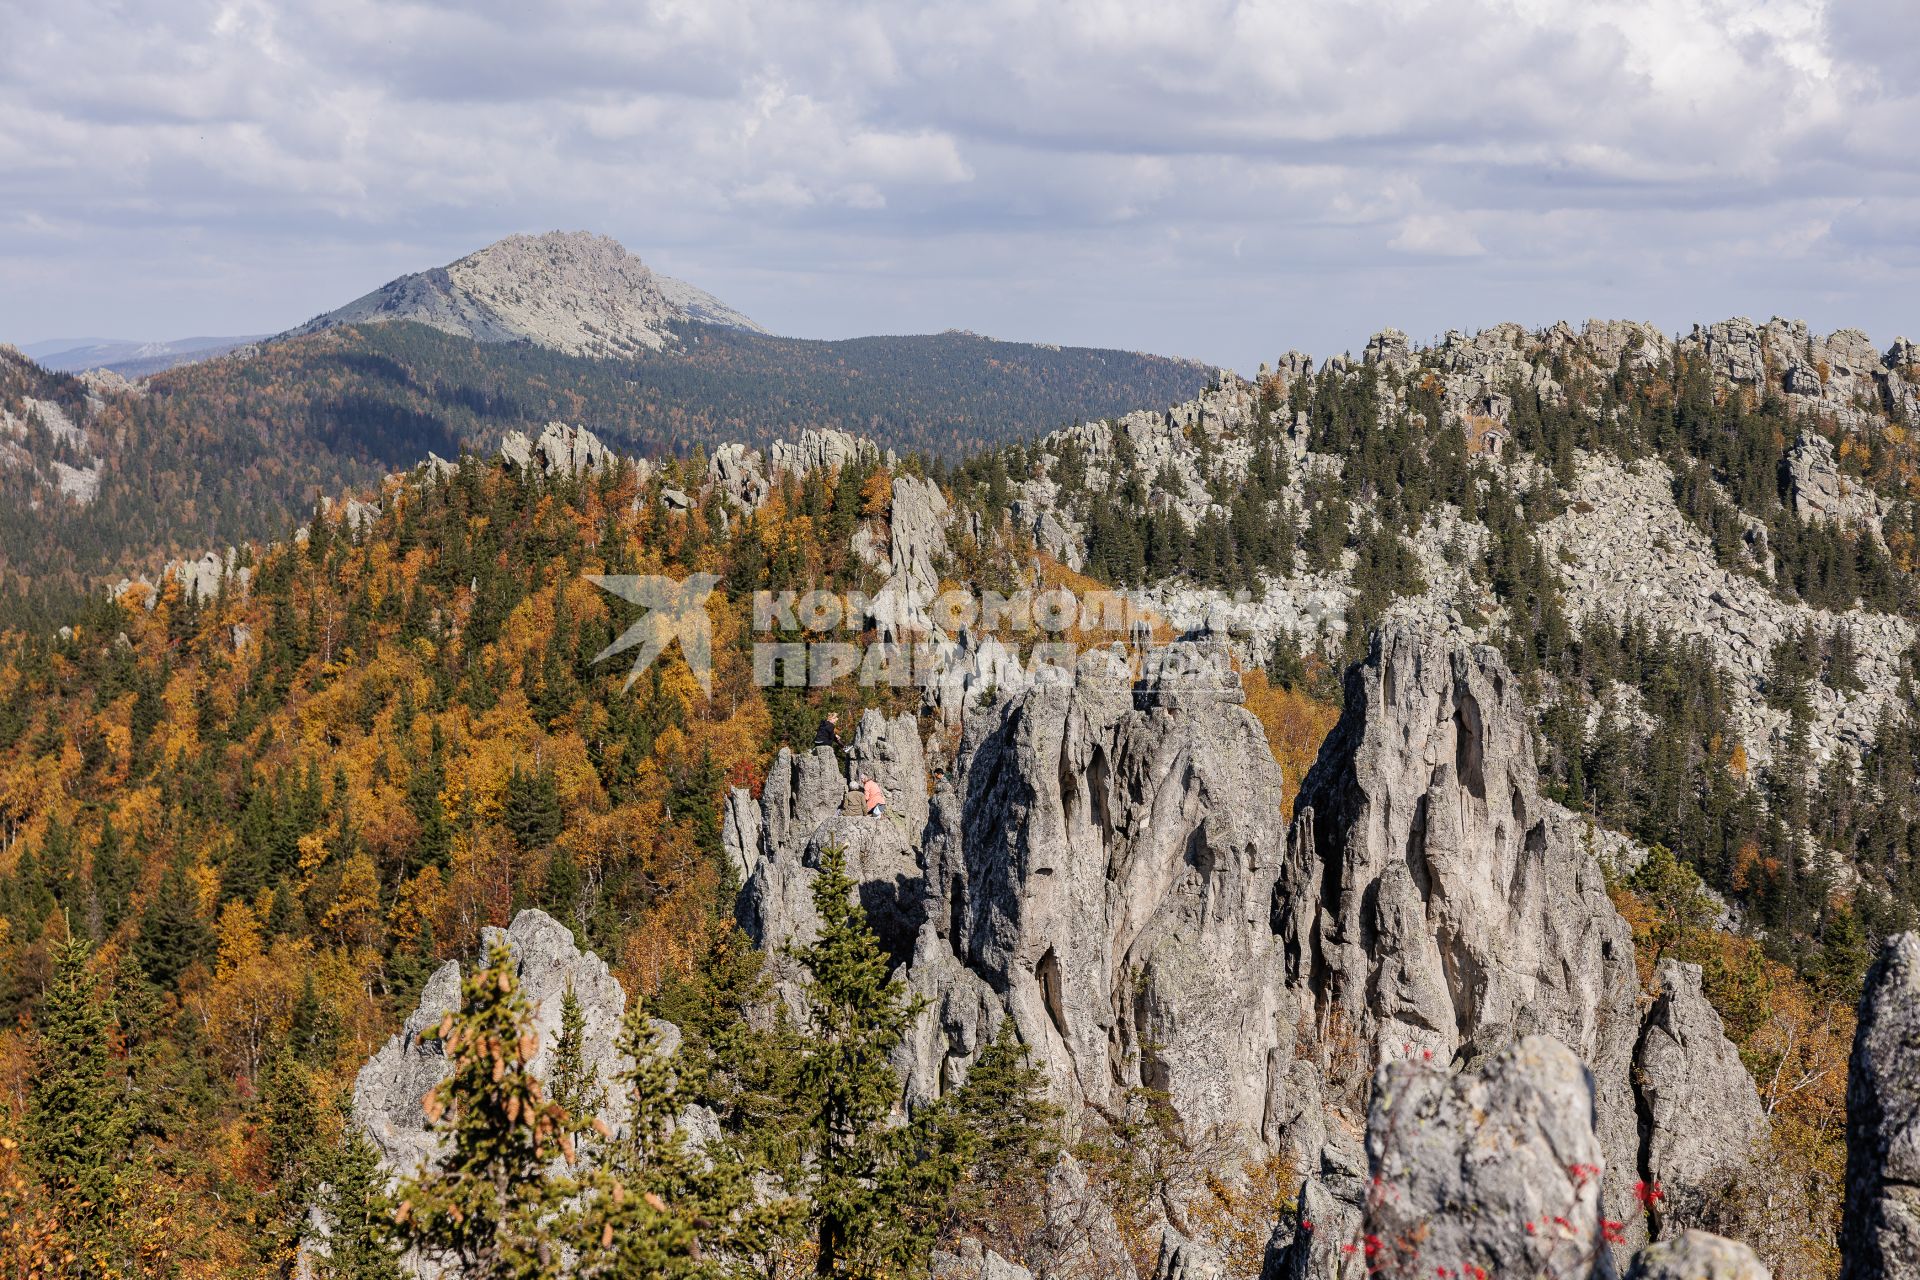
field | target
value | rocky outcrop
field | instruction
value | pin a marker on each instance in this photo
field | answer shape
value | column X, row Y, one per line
column 1435, row 906
column 820, row 450
column 1697, row 1255
column 917, row 539
column 561, row 450
column 971, row 1260
column 570, row 291
column 736, row 471
column 388, row 1092
column 1822, row 493
column 1105, row 867
column 1492, row 1171
column 202, row 579
column 1700, row 1111
column 1880, row 1236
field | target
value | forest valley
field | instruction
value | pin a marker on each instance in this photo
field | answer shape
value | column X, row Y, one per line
column 238, row 834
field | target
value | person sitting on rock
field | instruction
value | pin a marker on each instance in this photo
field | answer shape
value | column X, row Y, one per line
column 828, row 734
column 873, row 797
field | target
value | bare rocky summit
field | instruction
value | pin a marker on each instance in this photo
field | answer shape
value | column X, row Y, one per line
column 571, row 291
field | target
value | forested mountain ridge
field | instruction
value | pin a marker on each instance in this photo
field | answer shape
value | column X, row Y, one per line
column 239, row 448
column 1699, row 553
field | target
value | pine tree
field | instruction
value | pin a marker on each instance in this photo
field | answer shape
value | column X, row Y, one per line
column 77, row 1120
column 483, row 1207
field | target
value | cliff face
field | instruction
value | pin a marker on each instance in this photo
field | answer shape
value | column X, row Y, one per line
column 1434, row 902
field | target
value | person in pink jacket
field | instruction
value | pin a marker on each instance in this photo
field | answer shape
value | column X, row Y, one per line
column 874, row 799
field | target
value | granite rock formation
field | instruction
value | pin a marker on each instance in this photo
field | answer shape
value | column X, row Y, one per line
column 388, row 1092
column 1702, row 1117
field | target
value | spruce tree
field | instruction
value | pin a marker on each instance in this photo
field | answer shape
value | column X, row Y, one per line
column 661, row 1210
column 871, row 1184
column 172, row 934
column 77, row 1120
column 576, row 1082
column 1011, row 1134
column 359, row 1243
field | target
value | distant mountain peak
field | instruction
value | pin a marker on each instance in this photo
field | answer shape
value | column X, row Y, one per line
column 571, row 291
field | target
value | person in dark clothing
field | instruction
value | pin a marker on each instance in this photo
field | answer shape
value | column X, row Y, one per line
column 828, row 734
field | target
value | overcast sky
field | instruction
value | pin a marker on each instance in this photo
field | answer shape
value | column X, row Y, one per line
column 1217, row 180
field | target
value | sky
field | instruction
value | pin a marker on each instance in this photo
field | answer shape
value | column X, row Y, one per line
column 1224, row 181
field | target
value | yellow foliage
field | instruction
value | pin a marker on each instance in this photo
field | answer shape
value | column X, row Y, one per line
column 238, row 936
column 1296, row 725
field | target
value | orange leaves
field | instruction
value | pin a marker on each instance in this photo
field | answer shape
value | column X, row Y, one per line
column 1296, row 725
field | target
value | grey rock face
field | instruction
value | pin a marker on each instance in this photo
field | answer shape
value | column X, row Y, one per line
column 736, row 471
column 1821, row 492
column 1110, row 877
column 388, row 1092
column 802, row 812
column 973, row 1261
column 1499, row 1168
column 918, row 523
column 1703, row 1115
column 1313, row 1243
column 1880, row 1237
column 818, row 450
column 1081, row 1241
column 1433, row 902
column 1182, row 1259
column 1697, row 1255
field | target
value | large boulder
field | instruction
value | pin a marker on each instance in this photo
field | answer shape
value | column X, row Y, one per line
column 1880, row 1236
column 1495, row 1171
column 1697, row 1255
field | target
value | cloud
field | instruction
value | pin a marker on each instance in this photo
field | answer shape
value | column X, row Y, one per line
column 1439, row 236
column 1219, row 178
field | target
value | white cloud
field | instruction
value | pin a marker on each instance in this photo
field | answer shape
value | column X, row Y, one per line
column 1439, row 236
column 1221, row 178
